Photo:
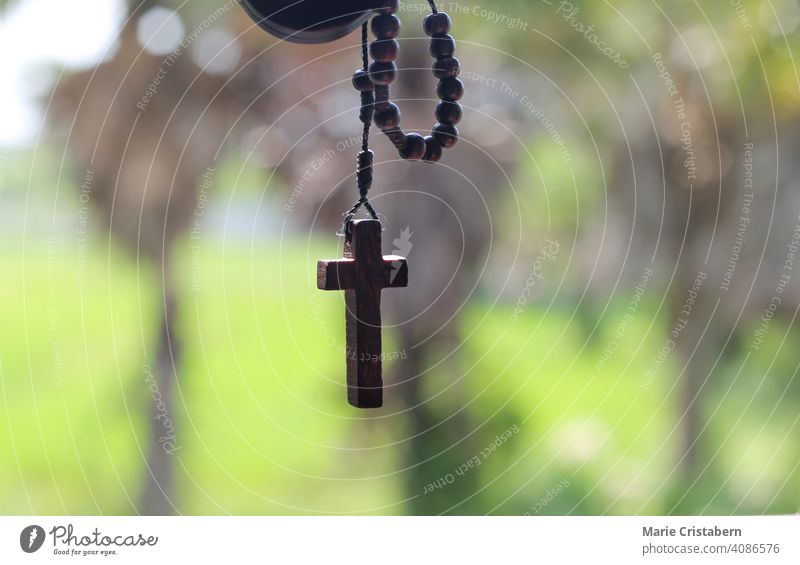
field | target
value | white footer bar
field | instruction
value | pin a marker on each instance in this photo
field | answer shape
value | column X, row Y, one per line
column 387, row 540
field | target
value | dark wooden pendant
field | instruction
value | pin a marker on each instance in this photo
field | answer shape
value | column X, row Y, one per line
column 362, row 275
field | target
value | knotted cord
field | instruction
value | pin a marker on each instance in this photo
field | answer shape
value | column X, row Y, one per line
column 366, row 156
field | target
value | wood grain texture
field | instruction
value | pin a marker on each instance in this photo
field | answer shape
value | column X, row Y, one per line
column 362, row 275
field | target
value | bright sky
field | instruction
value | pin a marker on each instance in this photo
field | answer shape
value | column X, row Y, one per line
column 37, row 34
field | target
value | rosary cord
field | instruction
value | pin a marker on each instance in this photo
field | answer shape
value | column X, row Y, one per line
column 373, row 81
column 366, row 156
column 367, row 97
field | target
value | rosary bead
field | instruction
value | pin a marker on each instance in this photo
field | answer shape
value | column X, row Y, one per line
column 384, row 50
column 446, row 134
column 388, row 6
column 433, row 150
column 382, row 73
column 361, row 81
column 414, row 148
column 438, row 23
column 388, row 118
column 386, row 26
column 442, row 46
column 446, row 68
column 450, row 89
column 448, row 112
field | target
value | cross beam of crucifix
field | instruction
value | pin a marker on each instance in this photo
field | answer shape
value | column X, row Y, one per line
column 362, row 275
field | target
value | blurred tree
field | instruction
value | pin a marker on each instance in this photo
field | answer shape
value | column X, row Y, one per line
column 150, row 128
column 149, row 162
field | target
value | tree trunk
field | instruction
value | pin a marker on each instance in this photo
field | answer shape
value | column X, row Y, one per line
column 158, row 496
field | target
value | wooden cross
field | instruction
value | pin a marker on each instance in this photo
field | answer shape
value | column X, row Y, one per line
column 362, row 275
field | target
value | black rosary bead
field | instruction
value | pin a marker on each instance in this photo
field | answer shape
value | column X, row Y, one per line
column 450, row 89
column 386, row 26
column 361, row 81
column 438, row 23
column 442, row 46
column 446, row 134
column 433, row 150
column 414, row 148
column 446, row 68
column 389, row 6
column 388, row 118
column 448, row 112
column 382, row 73
column 384, row 50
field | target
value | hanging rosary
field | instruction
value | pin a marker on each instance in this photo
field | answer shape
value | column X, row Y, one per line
column 364, row 271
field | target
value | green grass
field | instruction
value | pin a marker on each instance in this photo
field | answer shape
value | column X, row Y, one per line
column 263, row 426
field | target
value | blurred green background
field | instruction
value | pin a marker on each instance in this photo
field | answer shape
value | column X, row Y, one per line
column 140, row 268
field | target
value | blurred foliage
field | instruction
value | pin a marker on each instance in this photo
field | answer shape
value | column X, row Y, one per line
column 258, row 436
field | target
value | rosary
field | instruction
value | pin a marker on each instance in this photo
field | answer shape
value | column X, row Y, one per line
column 364, row 271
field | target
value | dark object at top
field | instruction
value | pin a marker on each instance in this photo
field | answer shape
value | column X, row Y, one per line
column 311, row 21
